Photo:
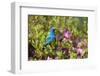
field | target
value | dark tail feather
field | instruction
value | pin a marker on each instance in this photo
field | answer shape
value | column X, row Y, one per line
column 44, row 46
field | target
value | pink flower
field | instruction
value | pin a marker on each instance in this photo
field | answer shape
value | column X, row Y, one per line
column 49, row 58
column 79, row 51
column 67, row 34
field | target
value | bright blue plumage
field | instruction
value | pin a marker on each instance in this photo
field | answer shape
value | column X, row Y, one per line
column 51, row 37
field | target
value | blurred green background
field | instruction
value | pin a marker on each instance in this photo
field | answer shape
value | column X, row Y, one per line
column 39, row 28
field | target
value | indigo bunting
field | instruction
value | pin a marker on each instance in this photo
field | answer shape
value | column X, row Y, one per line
column 51, row 37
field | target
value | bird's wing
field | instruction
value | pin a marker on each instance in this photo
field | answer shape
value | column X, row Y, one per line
column 49, row 40
column 51, row 37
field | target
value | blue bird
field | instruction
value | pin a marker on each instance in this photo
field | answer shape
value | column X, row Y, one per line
column 51, row 37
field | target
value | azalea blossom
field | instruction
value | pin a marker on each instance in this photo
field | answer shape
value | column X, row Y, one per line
column 79, row 50
column 67, row 34
column 49, row 58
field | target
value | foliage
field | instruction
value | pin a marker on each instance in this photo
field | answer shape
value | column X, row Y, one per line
column 66, row 48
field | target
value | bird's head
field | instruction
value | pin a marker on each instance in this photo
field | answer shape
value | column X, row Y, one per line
column 52, row 29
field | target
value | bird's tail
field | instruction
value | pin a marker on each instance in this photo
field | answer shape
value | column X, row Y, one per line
column 44, row 46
